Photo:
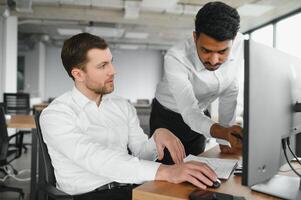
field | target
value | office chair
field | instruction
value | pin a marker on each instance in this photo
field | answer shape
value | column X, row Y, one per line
column 47, row 182
column 7, row 155
column 143, row 101
column 18, row 104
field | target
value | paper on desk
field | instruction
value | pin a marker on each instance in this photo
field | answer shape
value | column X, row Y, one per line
column 7, row 117
column 223, row 142
column 222, row 167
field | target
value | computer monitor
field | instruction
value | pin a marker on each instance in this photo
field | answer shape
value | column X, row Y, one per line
column 272, row 87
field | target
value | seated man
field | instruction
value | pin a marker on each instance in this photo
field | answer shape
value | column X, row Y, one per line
column 88, row 133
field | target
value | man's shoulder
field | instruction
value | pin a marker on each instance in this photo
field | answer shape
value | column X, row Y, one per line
column 61, row 103
column 181, row 48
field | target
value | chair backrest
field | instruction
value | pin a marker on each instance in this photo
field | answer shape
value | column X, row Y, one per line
column 48, row 172
column 4, row 140
column 143, row 101
column 16, row 103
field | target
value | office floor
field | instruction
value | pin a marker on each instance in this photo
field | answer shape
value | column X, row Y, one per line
column 21, row 163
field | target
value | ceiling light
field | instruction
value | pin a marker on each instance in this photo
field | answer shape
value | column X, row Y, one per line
column 191, row 10
column 136, row 35
column 118, row 4
column 253, row 10
column 158, row 5
column 67, row 31
column 178, row 9
column 105, row 31
column 131, row 9
column 128, row 46
column 76, row 2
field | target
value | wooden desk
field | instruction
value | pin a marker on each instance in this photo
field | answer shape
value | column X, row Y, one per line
column 27, row 121
column 21, row 121
column 39, row 107
column 156, row 190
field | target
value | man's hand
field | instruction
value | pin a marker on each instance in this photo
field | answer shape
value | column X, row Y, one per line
column 232, row 134
column 164, row 138
column 197, row 173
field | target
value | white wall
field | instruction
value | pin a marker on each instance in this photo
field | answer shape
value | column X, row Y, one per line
column 57, row 80
column 138, row 72
column 31, row 71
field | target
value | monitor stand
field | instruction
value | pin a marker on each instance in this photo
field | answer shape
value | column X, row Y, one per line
column 286, row 187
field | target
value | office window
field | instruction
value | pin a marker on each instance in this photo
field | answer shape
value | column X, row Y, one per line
column 288, row 35
column 264, row 35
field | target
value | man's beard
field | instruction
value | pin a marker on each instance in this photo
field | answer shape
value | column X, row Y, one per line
column 103, row 90
column 209, row 67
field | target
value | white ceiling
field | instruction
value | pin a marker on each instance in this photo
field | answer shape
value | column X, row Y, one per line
column 146, row 23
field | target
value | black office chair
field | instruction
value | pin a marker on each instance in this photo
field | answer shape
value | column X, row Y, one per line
column 18, row 104
column 7, row 154
column 47, row 182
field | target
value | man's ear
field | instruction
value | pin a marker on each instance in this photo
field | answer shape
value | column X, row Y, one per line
column 77, row 74
column 194, row 36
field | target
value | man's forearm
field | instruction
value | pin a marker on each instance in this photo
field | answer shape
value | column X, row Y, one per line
column 218, row 131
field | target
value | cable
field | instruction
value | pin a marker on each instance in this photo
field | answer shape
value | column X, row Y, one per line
column 285, row 155
column 10, row 171
column 289, row 147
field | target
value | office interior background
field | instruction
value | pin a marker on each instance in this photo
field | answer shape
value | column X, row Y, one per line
column 139, row 33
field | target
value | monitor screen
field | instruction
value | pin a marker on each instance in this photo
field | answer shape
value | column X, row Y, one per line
column 272, row 86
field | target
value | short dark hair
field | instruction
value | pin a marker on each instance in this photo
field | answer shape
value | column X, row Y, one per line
column 217, row 20
column 75, row 49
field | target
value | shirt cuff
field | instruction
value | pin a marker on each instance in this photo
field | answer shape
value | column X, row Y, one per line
column 148, row 171
column 206, row 126
column 153, row 147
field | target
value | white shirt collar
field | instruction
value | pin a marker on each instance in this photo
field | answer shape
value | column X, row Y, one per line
column 79, row 98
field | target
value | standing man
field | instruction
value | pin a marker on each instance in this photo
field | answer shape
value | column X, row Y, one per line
column 197, row 72
column 88, row 133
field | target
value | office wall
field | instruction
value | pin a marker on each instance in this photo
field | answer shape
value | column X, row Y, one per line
column 31, row 71
column 138, row 72
column 56, row 79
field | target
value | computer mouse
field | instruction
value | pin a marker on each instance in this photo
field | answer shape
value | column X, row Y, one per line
column 216, row 184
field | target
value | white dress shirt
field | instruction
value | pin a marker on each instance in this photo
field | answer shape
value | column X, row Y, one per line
column 189, row 88
column 88, row 143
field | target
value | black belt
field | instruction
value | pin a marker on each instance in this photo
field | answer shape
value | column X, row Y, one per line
column 112, row 185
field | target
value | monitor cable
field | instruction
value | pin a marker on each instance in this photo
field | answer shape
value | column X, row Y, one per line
column 283, row 141
column 289, row 147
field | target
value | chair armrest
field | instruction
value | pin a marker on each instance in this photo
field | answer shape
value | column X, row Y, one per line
column 55, row 193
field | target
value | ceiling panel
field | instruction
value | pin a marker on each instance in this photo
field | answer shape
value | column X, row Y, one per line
column 163, row 21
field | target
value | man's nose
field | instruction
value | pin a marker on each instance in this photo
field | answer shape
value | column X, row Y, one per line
column 214, row 58
column 112, row 70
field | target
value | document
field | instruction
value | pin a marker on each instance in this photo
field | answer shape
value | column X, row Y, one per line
column 222, row 167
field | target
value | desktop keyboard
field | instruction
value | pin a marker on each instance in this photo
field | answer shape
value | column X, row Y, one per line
column 222, row 167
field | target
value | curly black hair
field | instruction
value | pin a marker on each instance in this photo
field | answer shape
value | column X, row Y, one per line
column 217, row 20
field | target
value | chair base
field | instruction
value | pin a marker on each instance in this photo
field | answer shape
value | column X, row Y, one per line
column 4, row 188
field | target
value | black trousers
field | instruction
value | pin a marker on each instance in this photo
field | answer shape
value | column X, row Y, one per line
column 117, row 193
column 194, row 143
